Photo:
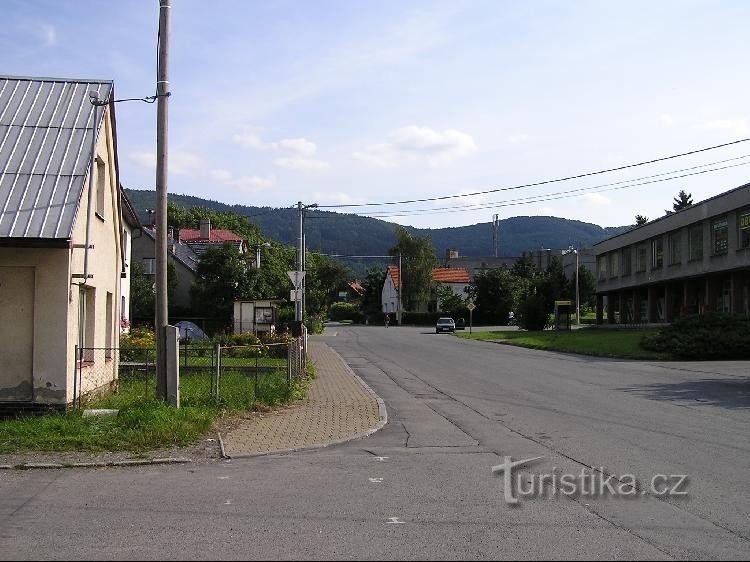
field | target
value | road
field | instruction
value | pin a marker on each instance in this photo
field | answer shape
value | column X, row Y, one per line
column 423, row 486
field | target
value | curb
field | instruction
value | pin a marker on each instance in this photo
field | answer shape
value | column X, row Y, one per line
column 382, row 415
column 94, row 464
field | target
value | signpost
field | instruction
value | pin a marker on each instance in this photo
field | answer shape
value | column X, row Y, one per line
column 296, row 278
column 471, row 306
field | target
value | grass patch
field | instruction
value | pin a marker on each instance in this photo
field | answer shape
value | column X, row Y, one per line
column 598, row 342
column 145, row 423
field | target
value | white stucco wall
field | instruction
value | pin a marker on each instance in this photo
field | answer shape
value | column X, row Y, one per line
column 389, row 296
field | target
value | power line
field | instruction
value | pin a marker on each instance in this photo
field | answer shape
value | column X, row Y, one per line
column 577, row 176
column 578, row 191
column 548, row 197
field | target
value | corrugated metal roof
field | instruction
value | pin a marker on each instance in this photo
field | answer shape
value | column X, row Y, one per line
column 46, row 128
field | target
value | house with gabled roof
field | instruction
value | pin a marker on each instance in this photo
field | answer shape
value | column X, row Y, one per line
column 457, row 278
column 61, row 240
column 205, row 237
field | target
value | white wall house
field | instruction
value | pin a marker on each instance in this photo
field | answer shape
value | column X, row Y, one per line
column 61, row 240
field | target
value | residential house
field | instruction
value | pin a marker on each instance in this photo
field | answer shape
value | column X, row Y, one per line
column 179, row 254
column 455, row 278
column 688, row 262
column 200, row 239
column 131, row 224
column 61, row 240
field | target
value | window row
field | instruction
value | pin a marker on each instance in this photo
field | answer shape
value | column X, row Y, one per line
column 608, row 265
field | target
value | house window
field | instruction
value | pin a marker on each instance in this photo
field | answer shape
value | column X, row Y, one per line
column 87, row 320
column 675, row 249
column 149, row 266
column 601, row 267
column 744, row 222
column 627, row 261
column 720, row 236
column 640, row 259
column 612, row 264
column 695, row 242
column 657, row 253
column 100, row 187
column 109, row 327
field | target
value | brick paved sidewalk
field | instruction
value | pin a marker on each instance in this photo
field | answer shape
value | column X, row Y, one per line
column 338, row 407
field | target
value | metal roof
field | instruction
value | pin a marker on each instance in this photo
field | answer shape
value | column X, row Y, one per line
column 46, row 129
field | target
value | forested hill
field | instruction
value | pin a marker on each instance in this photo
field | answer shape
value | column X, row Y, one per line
column 354, row 235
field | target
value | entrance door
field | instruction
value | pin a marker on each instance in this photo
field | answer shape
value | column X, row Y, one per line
column 16, row 333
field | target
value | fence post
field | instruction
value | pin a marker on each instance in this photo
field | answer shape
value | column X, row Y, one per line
column 218, row 369
column 75, row 376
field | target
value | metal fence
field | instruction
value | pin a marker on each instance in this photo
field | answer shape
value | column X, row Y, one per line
column 236, row 376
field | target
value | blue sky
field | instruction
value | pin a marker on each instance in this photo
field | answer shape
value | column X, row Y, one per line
column 358, row 102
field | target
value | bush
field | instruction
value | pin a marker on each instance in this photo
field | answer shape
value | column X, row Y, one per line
column 137, row 345
column 532, row 313
column 419, row 318
column 315, row 324
column 345, row 311
column 709, row 336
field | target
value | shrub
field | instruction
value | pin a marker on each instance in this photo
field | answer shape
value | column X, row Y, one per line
column 137, row 345
column 315, row 324
column 532, row 313
column 709, row 336
column 345, row 311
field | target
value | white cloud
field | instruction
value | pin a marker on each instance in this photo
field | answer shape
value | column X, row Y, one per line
column 330, row 198
column 144, row 159
column 253, row 183
column 49, row 33
column 179, row 161
column 419, row 143
column 595, row 199
column 546, row 211
column 667, row 119
column 519, row 138
column 300, row 146
column 303, row 164
column 734, row 125
column 250, row 140
column 221, row 175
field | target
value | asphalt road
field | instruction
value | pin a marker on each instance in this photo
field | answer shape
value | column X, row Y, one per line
column 423, row 486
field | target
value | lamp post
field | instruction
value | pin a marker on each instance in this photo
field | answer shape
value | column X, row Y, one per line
column 257, row 252
column 578, row 307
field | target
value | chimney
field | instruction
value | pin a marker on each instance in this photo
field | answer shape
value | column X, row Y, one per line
column 206, row 229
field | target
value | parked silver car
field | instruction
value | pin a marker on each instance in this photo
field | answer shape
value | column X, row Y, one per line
column 445, row 325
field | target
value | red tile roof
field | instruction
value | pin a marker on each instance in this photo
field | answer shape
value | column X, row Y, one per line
column 217, row 235
column 450, row 275
column 393, row 272
column 439, row 274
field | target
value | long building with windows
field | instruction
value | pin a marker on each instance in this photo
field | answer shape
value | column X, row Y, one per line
column 689, row 262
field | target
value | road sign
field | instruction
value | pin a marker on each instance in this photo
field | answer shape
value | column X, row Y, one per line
column 471, row 306
column 295, row 295
column 296, row 278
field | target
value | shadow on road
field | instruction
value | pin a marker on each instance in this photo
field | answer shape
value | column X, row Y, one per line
column 732, row 394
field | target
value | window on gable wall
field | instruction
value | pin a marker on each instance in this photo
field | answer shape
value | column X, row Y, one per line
column 100, row 186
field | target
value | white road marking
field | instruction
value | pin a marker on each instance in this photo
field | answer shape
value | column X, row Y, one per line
column 381, row 459
column 228, row 502
column 224, row 477
column 376, row 480
column 395, row 521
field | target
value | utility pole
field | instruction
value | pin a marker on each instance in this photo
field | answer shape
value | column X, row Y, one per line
column 495, row 240
column 400, row 276
column 578, row 294
column 298, row 303
column 162, row 113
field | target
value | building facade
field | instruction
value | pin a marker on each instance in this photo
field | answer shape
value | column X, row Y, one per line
column 690, row 262
column 61, row 240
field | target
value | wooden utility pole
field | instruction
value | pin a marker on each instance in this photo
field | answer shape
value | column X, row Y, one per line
column 162, row 113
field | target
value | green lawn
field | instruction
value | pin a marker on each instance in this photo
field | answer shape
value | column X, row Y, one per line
column 145, row 423
column 623, row 343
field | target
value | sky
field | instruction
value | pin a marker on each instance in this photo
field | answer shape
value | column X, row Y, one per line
column 361, row 102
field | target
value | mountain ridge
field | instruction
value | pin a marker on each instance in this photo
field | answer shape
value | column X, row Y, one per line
column 349, row 234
